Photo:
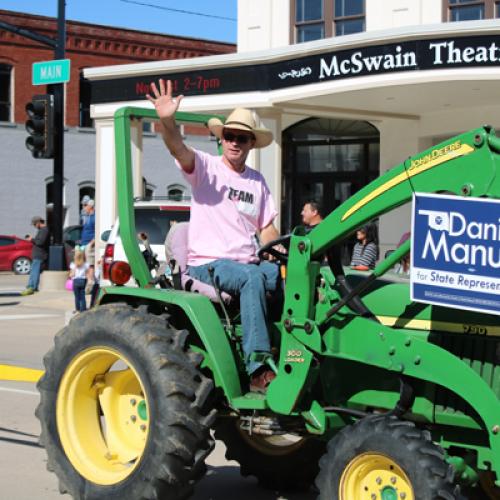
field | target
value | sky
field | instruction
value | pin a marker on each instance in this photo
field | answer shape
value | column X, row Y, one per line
column 218, row 21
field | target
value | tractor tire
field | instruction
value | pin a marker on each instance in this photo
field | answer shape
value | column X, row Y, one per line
column 382, row 458
column 123, row 408
column 278, row 462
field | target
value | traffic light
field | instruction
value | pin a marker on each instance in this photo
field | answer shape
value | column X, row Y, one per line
column 40, row 126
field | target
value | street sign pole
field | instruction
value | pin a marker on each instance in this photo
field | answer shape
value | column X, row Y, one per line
column 56, row 253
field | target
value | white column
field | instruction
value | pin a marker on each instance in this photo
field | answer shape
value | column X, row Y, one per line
column 105, row 176
column 268, row 160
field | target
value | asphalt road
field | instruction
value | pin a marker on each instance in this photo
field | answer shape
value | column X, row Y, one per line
column 27, row 327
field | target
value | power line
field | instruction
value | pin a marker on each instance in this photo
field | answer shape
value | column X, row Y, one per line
column 160, row 7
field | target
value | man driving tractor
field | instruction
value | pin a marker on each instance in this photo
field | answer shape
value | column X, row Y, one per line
column 231, row 204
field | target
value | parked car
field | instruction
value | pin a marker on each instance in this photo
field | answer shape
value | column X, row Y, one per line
column 15, row 254
column 155, row 218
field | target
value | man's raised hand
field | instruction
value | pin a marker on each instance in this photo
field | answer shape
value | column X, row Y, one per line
column 165, row 105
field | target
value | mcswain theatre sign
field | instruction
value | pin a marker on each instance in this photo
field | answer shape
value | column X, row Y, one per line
column 436, row 54
column 429, row 54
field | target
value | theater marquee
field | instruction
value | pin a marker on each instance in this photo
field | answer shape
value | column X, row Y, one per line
column 457, row 52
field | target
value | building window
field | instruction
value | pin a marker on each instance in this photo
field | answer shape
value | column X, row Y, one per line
column 349, row 17
column 176, row 192
column 5, row 92
column 148, row 189
column 86, row 188
column 309, row 20
column 315, row 19
column 85, row 120
column 470, row 10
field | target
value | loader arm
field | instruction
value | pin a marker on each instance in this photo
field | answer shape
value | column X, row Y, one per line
column 313, row 324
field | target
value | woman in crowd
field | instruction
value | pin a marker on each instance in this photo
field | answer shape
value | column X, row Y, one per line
column 365, row 252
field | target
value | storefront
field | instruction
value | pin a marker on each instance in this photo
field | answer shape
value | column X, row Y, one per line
column 342, row 110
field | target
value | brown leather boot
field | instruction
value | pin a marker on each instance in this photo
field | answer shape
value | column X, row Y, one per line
column 260, row 379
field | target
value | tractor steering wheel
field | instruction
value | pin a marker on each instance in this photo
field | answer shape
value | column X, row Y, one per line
column 277, row 254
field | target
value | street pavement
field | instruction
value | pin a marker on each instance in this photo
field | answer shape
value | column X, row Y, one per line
column 27, row 327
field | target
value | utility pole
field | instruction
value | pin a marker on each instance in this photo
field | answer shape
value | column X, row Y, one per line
column 56, row 253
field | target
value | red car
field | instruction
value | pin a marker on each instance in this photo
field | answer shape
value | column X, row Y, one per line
column 15, row 254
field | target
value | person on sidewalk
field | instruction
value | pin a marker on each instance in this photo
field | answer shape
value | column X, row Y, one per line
column 78, row 272
column 41, row 242
column 231, row 204
column 365, row 251
column 83, row 211
column 87, row 242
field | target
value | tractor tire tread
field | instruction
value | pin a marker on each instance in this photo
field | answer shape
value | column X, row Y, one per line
column 181, row 439
column 434, row 478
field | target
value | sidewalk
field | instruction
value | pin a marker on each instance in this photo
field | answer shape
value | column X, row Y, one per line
column 60, row 300
column 55, row 301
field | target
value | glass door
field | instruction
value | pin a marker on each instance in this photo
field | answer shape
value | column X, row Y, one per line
column 327, row 170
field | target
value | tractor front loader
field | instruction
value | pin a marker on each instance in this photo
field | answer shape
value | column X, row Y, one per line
column 376, row 396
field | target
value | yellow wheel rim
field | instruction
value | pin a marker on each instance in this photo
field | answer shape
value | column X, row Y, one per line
column 372, row 476
column 102, row 415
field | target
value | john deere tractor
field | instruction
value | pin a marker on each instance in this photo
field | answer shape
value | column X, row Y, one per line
column 376, row 396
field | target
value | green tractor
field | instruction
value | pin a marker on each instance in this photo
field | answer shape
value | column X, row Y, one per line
column 376, row 397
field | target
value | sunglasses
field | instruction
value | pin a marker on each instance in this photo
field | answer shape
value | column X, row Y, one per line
column 239, row 138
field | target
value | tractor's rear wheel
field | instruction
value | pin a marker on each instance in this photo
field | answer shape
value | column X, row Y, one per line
column 123, row 407
column 384, row 458
column 281, row 462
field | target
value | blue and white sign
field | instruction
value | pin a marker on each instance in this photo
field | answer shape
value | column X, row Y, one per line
column 456, row 252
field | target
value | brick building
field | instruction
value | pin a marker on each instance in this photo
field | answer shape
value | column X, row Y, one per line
column 87, row 45
column 28, row 190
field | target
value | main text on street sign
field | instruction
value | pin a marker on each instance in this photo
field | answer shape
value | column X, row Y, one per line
column 51, row 72
column 456, row 252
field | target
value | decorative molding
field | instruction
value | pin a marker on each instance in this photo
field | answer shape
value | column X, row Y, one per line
column 110, row 41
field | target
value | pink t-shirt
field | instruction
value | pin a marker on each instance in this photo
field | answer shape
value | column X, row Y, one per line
column 227, row 209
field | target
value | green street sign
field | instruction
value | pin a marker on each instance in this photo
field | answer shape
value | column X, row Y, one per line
column 49, row 72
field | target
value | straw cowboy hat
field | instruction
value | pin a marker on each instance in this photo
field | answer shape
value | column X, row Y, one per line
column 242, row 119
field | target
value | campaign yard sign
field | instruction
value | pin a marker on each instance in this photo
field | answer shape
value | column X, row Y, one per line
column 456, row 252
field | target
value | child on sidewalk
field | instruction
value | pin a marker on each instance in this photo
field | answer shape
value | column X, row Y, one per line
column 78, row 271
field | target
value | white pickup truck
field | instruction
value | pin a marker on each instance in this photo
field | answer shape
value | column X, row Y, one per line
column 153, row 217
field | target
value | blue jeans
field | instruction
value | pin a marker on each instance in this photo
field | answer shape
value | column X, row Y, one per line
column 250, row 282
column 79, row 285
column 36, row 269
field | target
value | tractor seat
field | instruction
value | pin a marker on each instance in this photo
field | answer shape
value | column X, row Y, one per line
column 176, row 251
